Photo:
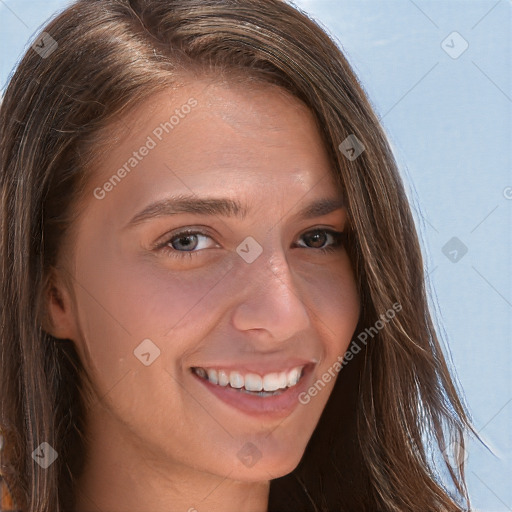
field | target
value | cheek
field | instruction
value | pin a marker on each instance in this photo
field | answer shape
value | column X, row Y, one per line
column 333, row 296
column 126, row 302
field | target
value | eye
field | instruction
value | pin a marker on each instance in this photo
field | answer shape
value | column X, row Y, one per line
column 185, row 243
column 319, row 237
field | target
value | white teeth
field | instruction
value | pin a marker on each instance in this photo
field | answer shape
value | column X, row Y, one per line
column 202, row 373
column 252, row 381
column 236, row 380
column 273, row 381
column 293, row 377
column 283, row 379
column 223, row 378
column 212, row 376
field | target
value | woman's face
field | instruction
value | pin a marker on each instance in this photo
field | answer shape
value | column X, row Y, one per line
column 200, row 247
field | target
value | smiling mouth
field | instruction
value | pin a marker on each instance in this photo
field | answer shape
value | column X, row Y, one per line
column 270, row 384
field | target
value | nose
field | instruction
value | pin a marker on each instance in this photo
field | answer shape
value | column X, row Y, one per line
column 271, row 303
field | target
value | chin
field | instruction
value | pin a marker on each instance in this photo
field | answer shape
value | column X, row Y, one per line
column 266, row 468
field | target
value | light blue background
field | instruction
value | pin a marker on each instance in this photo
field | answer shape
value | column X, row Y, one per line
column 450, row 124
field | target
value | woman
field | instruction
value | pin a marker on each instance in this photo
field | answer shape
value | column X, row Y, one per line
column 213, row 292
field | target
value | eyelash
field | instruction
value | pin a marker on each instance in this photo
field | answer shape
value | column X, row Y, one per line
column 338, row 244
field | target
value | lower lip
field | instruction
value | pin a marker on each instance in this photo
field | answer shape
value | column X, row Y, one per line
column 276, row 406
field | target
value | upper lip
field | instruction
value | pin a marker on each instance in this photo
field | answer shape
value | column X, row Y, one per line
column 260, row 368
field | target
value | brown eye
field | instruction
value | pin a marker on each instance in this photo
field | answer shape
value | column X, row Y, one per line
column 319, row 237
column 316, row 239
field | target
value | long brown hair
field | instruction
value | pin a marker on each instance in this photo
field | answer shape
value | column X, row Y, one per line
column 390, row 403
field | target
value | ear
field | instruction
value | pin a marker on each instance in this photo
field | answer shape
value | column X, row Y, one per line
column 59, row 313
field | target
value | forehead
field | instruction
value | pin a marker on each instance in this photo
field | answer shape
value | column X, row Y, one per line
column 208, row 135
column 262, row 111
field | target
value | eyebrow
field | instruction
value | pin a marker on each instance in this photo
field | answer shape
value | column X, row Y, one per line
column 222, row 207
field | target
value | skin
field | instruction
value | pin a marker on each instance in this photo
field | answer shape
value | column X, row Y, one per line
column 156, row 436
